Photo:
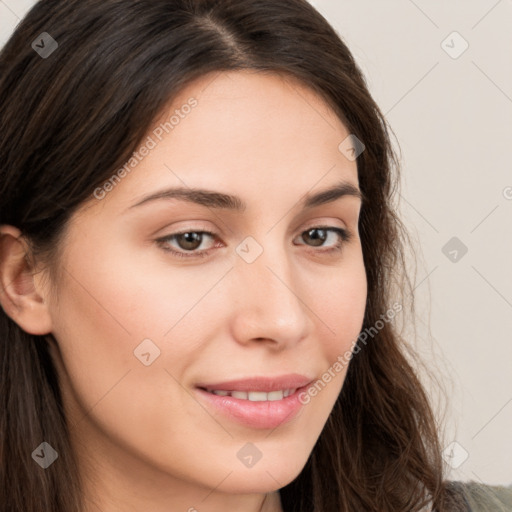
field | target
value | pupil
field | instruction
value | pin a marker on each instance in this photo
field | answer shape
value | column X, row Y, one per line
column 318, row 240
column 190, row 238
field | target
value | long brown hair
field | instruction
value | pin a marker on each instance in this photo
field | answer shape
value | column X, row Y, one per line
column 72, row 117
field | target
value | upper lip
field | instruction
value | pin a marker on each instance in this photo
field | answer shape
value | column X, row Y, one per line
column 266, row 384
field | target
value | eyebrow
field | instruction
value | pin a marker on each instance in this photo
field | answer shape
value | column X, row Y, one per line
column 219, row 200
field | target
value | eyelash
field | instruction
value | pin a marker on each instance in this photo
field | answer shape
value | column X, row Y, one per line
column 344, row 237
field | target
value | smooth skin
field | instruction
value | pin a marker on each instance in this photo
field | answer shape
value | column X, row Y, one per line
column 145, row 439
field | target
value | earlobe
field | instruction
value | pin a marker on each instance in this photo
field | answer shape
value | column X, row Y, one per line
column 19, row 298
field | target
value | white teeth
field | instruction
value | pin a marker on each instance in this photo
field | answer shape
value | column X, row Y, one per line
column 275, row 395
column 256, row 396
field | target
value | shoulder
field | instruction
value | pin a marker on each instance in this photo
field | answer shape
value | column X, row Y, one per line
column 484, row 498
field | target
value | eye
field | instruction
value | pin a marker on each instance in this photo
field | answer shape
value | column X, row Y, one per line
column 319, row 234
column 189, row 241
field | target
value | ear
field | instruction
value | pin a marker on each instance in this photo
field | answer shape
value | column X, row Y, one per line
column 19, row 297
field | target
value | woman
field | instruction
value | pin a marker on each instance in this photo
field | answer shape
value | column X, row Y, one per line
column 196, row 263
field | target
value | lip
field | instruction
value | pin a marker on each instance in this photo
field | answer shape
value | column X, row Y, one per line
column 261, row 415
column 267, row 384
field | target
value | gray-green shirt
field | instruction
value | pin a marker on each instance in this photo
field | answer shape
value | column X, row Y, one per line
column 485, row 498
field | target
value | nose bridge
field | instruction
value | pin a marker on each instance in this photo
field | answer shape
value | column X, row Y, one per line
column 269, row 302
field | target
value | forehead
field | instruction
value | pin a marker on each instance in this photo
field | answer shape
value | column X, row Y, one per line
column 247, row 132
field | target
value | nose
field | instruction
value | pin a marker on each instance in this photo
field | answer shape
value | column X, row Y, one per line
column 270, row 301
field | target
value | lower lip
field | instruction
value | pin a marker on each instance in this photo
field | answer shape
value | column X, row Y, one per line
column 264, row 415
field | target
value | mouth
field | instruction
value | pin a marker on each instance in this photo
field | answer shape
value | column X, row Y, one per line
column 254, row 396
column 264, row 403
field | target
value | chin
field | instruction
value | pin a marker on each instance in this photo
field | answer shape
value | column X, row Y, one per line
column 263, row 478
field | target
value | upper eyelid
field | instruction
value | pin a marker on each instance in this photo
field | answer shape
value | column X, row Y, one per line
column 332, row 229
column 306, row 226
column 214, row 233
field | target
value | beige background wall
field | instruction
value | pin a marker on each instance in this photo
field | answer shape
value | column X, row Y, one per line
column 451, row 110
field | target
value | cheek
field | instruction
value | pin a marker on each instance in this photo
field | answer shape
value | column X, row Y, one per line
column 336, row 300
column 339, row 304
column 127, row 294
column 107, row 307
column 111, row 299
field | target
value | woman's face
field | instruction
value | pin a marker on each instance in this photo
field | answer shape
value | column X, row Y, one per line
column 139, row 327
